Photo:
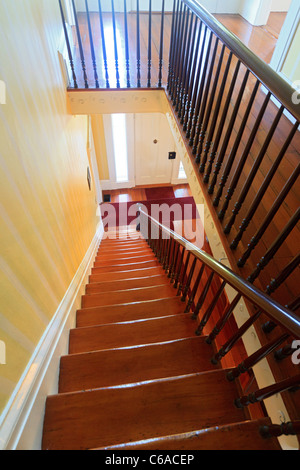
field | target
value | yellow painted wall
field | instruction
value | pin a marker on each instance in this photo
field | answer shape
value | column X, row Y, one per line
column 100, row 146
column 47, row 213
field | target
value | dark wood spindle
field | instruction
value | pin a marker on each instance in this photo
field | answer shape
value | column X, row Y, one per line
column 127, row 64
column 172, row 41
column 220, row 131
column 277, row 430
column 203, row 296
column 179, row 267
column 161, row 47
column 251, row 176
column 115, row 44
column 103, row 45
column 263, row 188
column 223, row 320
column 268, row 392
column 174, row 47
column 270, row 215
column 210, row 309
column 256, row 357
column 182, row 279
column 189, row 280
column 150, row 45
column 80, row 46
column 138, row 44
column 195, row 289
column 68, row 45
column 186, row 71
column 92, row 44
column 208, row 113
column 275, row 246
column 230, row 130
column 181, row 55
column 204, row 109
column 191, row 75
column 234, row 150
column 212, row 130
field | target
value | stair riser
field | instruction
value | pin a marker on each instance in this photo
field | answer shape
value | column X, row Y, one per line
column 126, row 267
column 135, row 273
column 100, row 262
column 126, row 284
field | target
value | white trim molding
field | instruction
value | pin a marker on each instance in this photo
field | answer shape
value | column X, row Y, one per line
column 21, row 423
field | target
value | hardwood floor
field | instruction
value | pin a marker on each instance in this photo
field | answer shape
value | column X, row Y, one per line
column 138, row 193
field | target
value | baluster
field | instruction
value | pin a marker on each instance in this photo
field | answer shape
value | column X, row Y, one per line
column 175, row 263
column 189, row 280
column 161, row 48
column 177, row 276
column 181, row 283
column 167, row 247
column 263, row 188
column 234, row 150
column 220, row 130
column 223, row 320
column 244, row 157
column 115, row 44
column 210, row 309
column 174, row 48
column 92, row 45
column 245, row 327
column 208, row 113
column 103, row 45
column 204, row 101
column 269, row 217
column 68, row 45
column 195, row 289
column 138, row 44
column 150, row 44
column 256, row 357
column 80, row 45
column 275, row 283
column 230, row 129
column 181, row 60
column 172, row 41
column 177, row 55
column 277, row 430
column 127, row 45
column 201, row 87
column 186, row 70
column 275, row 246
column 191, row 75
column 203, row 296
column 252, row 174
column 171, row 255
column 209, row 142
column 191, row 116
column 268, row 392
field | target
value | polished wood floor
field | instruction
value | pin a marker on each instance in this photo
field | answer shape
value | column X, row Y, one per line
column 138, row 193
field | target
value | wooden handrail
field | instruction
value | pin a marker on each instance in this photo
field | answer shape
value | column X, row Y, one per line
column 273, row 309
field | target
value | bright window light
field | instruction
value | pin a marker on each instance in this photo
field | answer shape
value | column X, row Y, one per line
column 181, row 173
column 120, row 146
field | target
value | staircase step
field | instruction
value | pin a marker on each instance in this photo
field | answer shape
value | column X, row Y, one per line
column 129, row 365
column 128, row 333
column 129, row 295
column 124, row 255
column 126, row 267
column 109, row 286
column 129, row 312
column 101, row 261
column 126, row 274
column 124, row 245
column 102, row 417
column 235, row 436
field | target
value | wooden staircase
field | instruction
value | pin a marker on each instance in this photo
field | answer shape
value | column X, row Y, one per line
column 137, row 376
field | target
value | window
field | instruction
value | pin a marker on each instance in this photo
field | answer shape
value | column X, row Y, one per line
column 120, row 146
column 181, row 173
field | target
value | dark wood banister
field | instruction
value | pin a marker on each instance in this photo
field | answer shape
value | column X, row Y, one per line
column 279, row 87
column 273, row 309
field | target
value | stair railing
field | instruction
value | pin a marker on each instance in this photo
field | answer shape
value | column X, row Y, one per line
column 186, row 264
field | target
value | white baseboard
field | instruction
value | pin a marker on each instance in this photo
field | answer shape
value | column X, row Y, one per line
column 21, row 423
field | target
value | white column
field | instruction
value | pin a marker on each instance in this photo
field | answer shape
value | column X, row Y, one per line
column 256, row 11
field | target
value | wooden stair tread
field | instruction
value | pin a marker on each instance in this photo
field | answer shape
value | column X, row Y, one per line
column 126, row 334
column 101, row 417
column 137, row 294
column 106, row 261
column 126, row 267
column 235, row 436
column 129, row 311
column 126, row 274
column 122, row 284
column 127, row 365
